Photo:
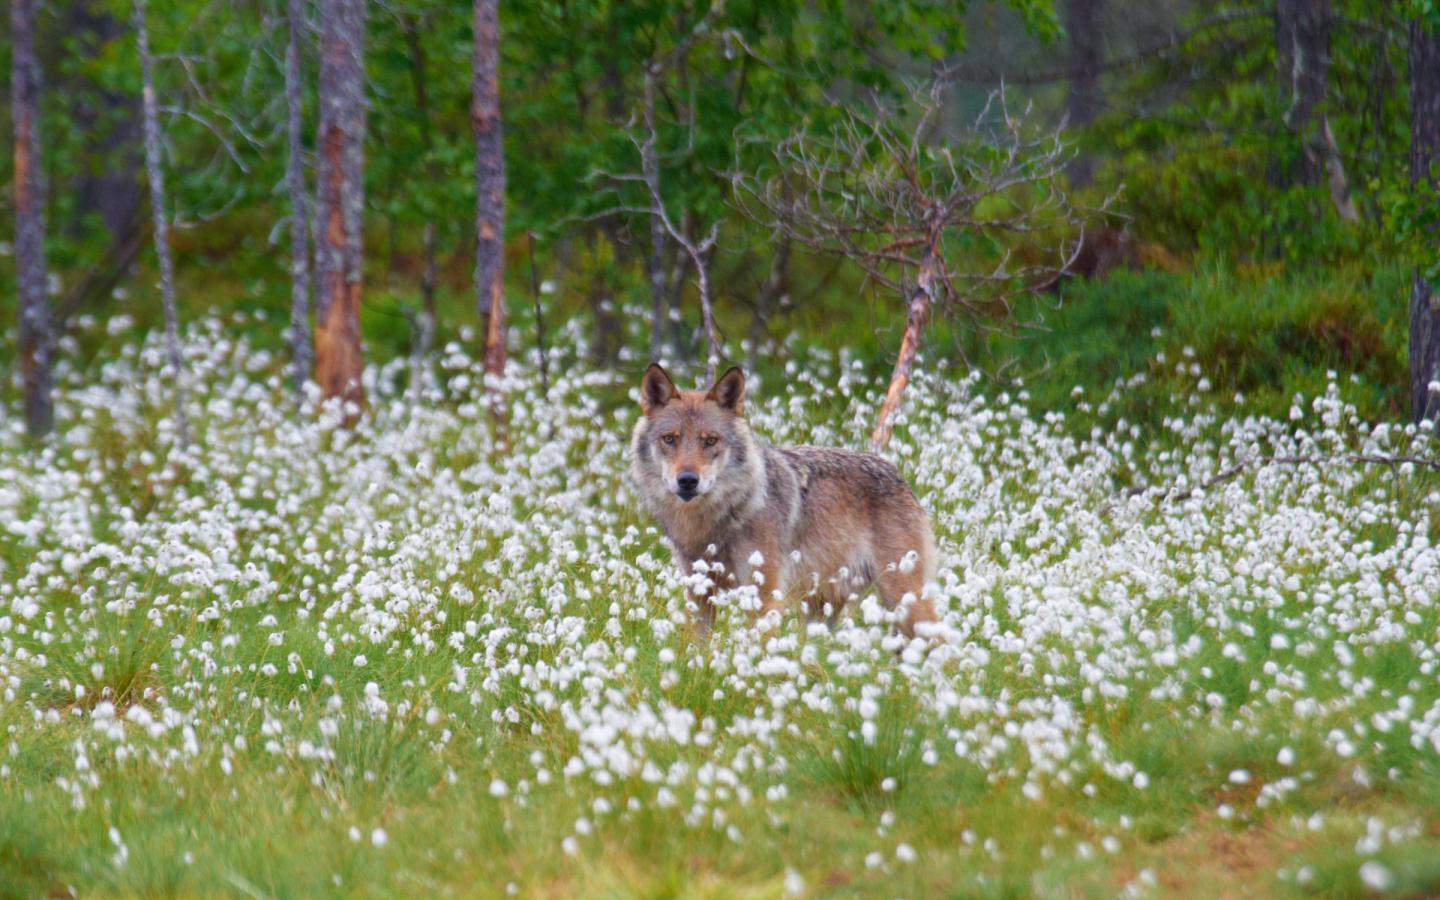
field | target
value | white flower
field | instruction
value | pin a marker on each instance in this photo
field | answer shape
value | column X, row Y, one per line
column 1376, row 876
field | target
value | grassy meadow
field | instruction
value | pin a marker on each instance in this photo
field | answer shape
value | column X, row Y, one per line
column 434, row 658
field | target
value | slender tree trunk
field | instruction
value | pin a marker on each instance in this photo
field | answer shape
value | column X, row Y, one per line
column 609, row 330
column 539, row 318
column 340, row 205
column 36, row 344
column 1425, row 177
column 1086, row 46
column 699, row 253
column 422, row 324
column 922, row 298
column 156, row 173
column 419, row 71
column 771, row 290
column 428, row 277
column 707, row 313
column 659, row 307
column 1302, row 52
column 675, row 289
column 655, row 261
column 489, row 184
column 300, row 338
column 107, row 121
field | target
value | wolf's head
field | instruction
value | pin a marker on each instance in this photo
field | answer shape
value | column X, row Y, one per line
column 692, row 436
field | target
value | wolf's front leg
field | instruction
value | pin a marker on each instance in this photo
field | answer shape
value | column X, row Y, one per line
column 704, row 613
column 759, row 566
column 700, row 586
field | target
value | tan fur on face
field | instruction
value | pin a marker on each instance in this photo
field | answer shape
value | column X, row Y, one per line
column 827, row 523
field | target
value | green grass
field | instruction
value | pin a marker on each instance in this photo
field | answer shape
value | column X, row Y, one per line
column 241, row 817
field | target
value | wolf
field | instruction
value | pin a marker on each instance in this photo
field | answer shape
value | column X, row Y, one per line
column 809, row 524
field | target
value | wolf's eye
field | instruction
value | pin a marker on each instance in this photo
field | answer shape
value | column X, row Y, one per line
column 667, row 439
column 711, row 440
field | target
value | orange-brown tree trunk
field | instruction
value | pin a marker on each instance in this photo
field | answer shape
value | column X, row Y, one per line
column 35, row 343
column 340, row 203
column 489, row 184
column 921, row 300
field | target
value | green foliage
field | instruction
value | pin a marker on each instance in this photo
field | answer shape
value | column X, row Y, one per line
column 1198, row 139
column 1254, row 332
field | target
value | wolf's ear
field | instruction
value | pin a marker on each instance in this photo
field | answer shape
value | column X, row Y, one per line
column 656, row 389
column 729, row 391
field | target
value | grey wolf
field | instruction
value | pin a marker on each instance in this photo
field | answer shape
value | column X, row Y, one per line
column 809, row 524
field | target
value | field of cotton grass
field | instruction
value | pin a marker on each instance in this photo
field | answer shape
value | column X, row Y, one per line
column 426, row 658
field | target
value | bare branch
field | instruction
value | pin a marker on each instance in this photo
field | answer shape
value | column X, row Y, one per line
column 966, row 221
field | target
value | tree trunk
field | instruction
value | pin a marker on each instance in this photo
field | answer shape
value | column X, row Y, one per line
column 489, row 184
column 921, row 300
column 1425, row 177
column 680, row 341
column 659, row 307
column 702, row 258
column 428, row 275
column 768, row 297
column 156, row 174
column 300, row 337
column 539, row 318
column 106, row 119
column 340, row 205
column 1302, row 53
column 36, row 344
column 1085, row 36
column 655, row 261
column 419, row 80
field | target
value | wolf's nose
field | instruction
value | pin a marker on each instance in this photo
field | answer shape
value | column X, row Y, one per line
column 687, row 481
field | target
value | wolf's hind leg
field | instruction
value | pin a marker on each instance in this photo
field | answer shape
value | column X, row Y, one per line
column 899, row 588
column 825, row 605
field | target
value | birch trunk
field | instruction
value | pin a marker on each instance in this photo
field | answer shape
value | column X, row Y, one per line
column 489, row 183
column 1425, row 176
column 36, row 343
column 301, row 353
column 156, row 174
column 340, row 204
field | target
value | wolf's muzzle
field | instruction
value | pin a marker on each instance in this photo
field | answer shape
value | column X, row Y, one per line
column 687, row 485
